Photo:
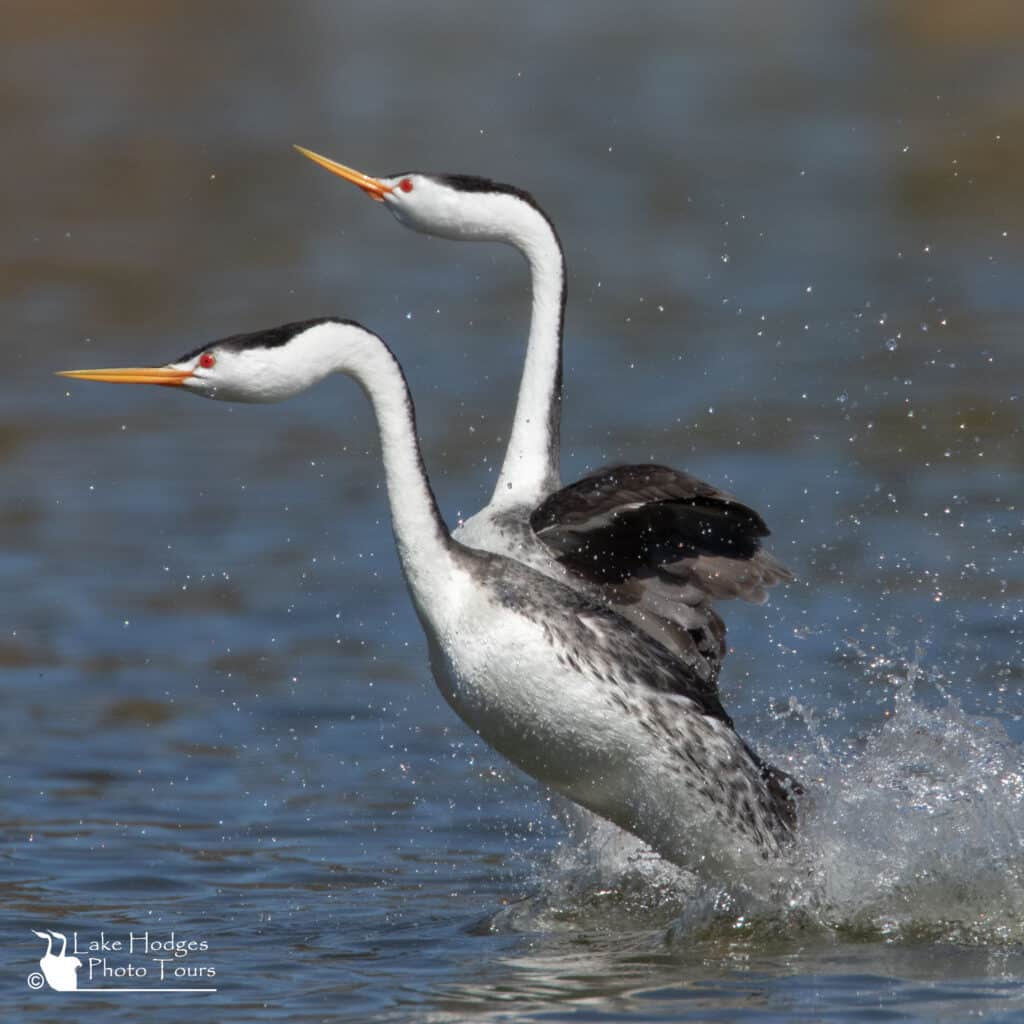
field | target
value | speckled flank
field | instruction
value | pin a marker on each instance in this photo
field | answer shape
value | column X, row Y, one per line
column 691, row 733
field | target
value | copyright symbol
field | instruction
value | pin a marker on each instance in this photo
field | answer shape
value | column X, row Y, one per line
column 35, row 980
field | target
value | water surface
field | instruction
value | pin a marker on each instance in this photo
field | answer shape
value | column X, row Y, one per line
column 795, row 264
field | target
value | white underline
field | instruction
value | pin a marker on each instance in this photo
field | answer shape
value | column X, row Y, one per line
column 154, row 988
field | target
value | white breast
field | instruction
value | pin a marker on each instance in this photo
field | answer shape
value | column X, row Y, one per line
column 497, row 669
column 646, row 759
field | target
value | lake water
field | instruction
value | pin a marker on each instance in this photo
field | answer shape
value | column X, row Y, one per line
column 794, row 234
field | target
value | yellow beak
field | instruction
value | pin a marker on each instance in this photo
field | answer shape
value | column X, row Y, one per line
column 371, row 186
column 163, row 375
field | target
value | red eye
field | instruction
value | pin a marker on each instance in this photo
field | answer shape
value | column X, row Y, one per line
column 206, row 360
column 405, row 184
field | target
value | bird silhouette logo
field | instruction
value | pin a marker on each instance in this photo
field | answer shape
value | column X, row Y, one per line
column 60, row 971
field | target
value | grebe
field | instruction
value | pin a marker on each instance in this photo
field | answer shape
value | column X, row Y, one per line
column 656, row 544
column 562, row 685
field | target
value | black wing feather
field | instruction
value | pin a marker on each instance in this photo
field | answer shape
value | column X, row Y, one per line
column 661, row 546
column 626, row 522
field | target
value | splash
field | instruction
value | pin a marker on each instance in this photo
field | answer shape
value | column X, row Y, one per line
column 920, row 834
column 913, row 833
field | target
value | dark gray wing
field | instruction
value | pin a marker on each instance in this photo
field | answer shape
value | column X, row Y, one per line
column 662, row 545
column 627, row 520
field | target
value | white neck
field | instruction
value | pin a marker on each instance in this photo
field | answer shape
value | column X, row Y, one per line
column 531, row 467
column 424, row 546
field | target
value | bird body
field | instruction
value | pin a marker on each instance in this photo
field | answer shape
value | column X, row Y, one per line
column 562, row 685
column 589, row 705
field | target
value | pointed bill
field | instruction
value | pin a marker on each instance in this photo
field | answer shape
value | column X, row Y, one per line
column 371, row 186
column 167, row 376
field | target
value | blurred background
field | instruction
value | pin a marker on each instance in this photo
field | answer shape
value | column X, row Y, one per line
column 794, row 233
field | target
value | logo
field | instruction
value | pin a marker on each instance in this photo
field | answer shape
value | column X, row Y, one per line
column 140, row 961
column 61, row 971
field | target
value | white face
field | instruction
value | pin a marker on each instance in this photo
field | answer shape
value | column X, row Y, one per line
column 427, row 205
column 422, row 204
column 270, row 373
column 254, row 375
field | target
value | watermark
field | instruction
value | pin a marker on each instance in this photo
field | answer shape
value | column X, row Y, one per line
column 138, row 961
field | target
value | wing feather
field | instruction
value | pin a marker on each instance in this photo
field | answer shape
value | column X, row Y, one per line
column 620, row 521
column 662, row 545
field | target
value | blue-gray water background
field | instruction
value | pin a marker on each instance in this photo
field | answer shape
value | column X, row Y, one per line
column 795, row 235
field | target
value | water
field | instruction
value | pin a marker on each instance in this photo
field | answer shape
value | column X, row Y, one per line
column 794, row 241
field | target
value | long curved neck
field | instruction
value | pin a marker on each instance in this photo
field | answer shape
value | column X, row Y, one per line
column 531, row 467
column 424, row 545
